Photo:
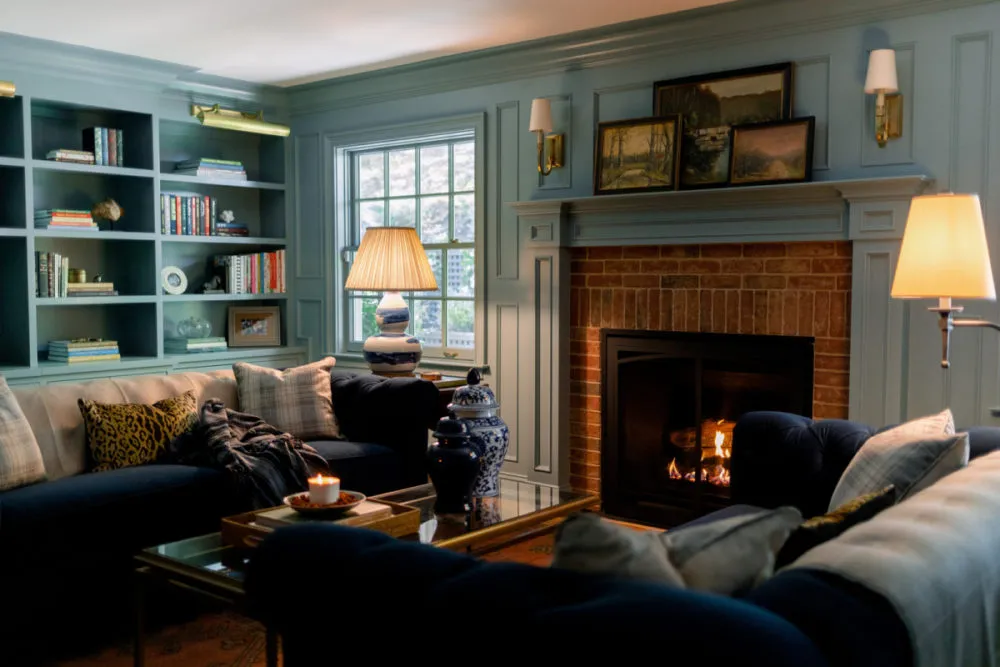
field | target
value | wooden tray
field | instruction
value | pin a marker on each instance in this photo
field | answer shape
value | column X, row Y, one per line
column 241, row 531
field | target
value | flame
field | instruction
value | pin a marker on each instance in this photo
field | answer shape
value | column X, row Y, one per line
column 672, row 469
column 716, row 474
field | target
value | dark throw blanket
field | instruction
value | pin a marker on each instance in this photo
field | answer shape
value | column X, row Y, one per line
column 264, row 464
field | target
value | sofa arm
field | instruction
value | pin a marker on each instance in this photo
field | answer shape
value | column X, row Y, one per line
column 785, row 459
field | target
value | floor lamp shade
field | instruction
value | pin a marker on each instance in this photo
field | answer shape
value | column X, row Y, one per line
column 944, row 253
column 392, row 260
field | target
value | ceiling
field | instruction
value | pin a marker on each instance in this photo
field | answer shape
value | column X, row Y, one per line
column 289, row 42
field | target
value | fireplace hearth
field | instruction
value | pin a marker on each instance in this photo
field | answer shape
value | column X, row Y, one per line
column 670, row 401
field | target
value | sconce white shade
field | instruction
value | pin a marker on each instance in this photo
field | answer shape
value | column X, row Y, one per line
column 541, row 115
column 944, row 252
column 882, row 72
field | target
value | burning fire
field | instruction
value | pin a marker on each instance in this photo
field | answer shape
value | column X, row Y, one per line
column 714, row 470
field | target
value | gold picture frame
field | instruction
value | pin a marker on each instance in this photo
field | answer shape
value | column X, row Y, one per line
column 254, row 326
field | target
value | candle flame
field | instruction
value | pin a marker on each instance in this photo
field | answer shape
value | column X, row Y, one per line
column 323, row 481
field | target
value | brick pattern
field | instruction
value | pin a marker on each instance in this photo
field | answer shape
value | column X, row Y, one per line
column 756, row 288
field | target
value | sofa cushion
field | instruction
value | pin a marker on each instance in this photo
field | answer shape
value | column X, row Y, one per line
column 120, row 435
column 112, row 512
column 363, row 466
column 298, row 400
column 58, row 425
column 20, row 459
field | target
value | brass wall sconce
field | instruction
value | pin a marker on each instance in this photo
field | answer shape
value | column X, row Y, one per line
column 7, row 89
column 884, row 84
column 550, row 146
column 240, row 121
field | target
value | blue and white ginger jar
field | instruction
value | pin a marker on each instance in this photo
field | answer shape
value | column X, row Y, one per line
column 476, row 404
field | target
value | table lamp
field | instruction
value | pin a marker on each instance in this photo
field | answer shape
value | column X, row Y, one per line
column 391, row 260
column 944, row 256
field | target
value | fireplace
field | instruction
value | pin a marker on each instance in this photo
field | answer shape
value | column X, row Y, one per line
column 670, row 402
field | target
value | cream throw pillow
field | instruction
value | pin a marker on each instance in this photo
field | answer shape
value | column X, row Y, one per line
column 911, row 456
column 298, row 400
column 20, row 458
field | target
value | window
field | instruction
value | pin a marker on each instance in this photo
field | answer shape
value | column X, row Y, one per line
column 429, row 185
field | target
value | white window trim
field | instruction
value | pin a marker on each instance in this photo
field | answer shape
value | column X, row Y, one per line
column 337, row 217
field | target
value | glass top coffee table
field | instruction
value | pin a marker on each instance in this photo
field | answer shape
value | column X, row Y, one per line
column 208, row 566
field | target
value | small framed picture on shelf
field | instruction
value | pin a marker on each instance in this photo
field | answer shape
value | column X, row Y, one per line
column 772, row 153
column 258, row 326
column 639, row 155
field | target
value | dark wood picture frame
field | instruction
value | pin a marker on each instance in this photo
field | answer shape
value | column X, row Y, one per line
column 671, row 152
column 780, row 172
column 707, row 168
column 237, row 338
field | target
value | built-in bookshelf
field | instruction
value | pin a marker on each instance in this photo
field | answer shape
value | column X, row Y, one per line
column 132, row 251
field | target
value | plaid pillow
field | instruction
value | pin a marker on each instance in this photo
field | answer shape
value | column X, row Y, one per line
column 298, row 401
column 20, row 458
column 911, row 457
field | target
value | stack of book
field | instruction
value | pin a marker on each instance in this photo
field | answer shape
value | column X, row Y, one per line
column 211, row 168
column 91, row 289
column 107, row 145
column 51, row 275
column 73, row 351
column 70, row 155
column 187, row 214
column 65, row 218
column 260, row 273
column 231, row 229
column 194, row 345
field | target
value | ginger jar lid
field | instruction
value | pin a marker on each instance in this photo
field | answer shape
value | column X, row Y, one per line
column 474, row 396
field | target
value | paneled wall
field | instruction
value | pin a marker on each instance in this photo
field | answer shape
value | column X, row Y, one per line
column 947, row 75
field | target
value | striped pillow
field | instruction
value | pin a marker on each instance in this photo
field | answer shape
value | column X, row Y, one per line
column 298, row 401
column 20, row 458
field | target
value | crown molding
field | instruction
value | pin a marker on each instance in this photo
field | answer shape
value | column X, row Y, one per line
column 745, row 21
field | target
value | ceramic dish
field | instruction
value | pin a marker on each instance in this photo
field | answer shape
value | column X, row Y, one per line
column 325, row 510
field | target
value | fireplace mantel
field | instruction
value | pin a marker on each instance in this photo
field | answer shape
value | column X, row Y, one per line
column 791, row 212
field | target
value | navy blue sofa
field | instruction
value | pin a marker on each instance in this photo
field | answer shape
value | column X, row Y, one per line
column 450, row 601
column 66, row 546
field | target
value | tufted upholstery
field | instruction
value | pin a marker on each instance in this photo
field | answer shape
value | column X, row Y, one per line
column 785, row 459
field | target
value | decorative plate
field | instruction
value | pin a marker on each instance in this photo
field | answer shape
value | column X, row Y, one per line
column 325, row 510
column 173, row 280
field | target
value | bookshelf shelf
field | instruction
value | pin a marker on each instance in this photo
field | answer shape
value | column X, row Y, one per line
column 98, row 236
column 235, row 354
column 13, row 232
column 94, row 301
column 47, row 367
column 52, row 165
column 182, row 179
column 6, row 161
column 226, row 240
column 223, row 297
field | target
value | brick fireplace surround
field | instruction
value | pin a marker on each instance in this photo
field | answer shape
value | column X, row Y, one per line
column 788, row 289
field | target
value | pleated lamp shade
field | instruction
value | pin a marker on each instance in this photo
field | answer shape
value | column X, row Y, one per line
column 944, row 252
column 391, row 259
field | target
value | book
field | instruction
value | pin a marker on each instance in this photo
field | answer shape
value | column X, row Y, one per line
column 209, row 162
column 85, row 287
column 104, row 146
column 119, row 136
column 98, row 293
column 75, row 360
column 69, row 155
column 280, row 517
column 206, row 172
column 82, row 344
column 73, row 227
column 112, row 148
column 90, row 352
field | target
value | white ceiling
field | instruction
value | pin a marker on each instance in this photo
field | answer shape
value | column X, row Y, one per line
column 295, row 41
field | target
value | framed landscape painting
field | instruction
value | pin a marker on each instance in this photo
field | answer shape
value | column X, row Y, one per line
column 711, row 104
column 637, row 155
column 769, row 153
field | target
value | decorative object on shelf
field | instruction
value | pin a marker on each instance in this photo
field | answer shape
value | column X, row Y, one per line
column 109, row 210
column 945, row 256
column 194, row 327
column 639, row 155
column 70, row 155
column 99, row 278
column 477, row 406
column 82, row 350
column 227, row 216
column 212, row 168
column 883, row 82
column 391, row 260
column 324, row 490
column 550, row 146
column 7, row 89
column 240, row 121
column 254, row 326
column 194, row 345
column 454, row 462
column 77, row 276
column 173, row 280
column 213, row 286
column 107, row 145
column 776, row 152
column 65, row 219
column 710, row 104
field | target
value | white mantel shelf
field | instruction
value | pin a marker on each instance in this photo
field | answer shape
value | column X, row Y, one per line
column 873, row 208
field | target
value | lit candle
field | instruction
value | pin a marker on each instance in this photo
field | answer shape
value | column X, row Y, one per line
column 324, row 490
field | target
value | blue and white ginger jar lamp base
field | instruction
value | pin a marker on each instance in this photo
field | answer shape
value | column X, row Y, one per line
column 392, row 351
column 476, row 404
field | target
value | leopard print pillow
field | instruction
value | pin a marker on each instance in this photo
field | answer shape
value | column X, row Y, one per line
column 130, row 434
